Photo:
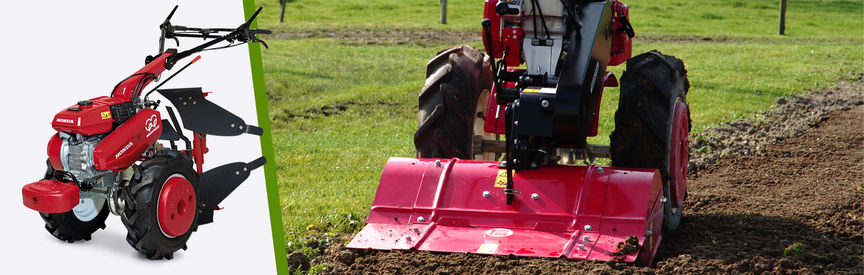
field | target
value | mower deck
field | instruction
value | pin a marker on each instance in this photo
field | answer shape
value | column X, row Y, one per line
column 578, row 212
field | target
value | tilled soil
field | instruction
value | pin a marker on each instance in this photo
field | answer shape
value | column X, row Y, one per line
column 779, row 193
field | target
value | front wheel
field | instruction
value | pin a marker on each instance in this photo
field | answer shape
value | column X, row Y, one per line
column 453, row 104
column 161, row 205
column 652, row 125
column 80, row 222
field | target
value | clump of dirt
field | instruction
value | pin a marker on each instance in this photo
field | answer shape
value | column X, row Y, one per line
column 327, row 110
column 384, row 37
column 629, row 246
column 788, row 117
column 298, row 261
column 744, row 213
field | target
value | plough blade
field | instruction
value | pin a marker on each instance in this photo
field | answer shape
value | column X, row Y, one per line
column 218, row 183
column 578, row 212
column 203, row 116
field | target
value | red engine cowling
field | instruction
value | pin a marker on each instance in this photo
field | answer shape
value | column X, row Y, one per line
column 88, row 117
column 123, row 146
column 54, row 148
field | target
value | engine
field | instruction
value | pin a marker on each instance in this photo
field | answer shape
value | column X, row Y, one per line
column 566, row 46
column 76, row 156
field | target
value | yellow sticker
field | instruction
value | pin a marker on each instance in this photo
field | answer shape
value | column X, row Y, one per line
column 487, row 248
column 106, row 115
column 530, row 90
column 501, row 179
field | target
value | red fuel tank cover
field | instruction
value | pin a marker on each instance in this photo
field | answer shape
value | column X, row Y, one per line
column 50, row 196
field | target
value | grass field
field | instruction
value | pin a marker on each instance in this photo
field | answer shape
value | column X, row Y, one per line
column 340, row 108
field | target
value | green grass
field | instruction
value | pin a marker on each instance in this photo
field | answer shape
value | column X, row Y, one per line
column 329, row 162
column 376, row 14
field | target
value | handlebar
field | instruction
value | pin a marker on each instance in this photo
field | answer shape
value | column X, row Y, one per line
column 242, row 34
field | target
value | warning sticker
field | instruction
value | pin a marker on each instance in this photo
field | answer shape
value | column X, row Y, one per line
column 501, row 179
column 106, row 115
column 487, row 248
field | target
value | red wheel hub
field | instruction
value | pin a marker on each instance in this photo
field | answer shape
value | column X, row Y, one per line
column 679, row 157
column 176, row 206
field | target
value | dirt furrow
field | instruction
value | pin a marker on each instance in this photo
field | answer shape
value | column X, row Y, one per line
column 792, row 206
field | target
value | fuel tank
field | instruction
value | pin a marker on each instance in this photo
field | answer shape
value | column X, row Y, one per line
column 91, row 117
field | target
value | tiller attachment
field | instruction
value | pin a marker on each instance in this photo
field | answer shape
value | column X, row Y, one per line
column 578, row 212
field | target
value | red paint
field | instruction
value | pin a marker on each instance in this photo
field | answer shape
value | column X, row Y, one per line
column 503, row 38
column 124, row 90
column 199, row 148
column 50, row 196
column 495, row 27
column 125, row 145
column 616, row 203
column 176, row 206
column 622, row 45
column 492, row 123
column 679, row 157
column 54, row 145
column 92, row 119
column 512, row 42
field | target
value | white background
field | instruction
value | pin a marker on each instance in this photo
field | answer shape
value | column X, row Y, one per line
column 54, row 54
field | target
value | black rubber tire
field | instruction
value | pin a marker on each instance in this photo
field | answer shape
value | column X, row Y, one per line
column 66, row 226
column 650, row 87
column 455, row 79
column 139, row 217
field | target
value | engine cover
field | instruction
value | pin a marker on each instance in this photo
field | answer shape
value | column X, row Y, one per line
column 124, row 145
column 88, row 117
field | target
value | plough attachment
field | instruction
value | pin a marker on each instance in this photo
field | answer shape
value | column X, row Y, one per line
column 578, row 212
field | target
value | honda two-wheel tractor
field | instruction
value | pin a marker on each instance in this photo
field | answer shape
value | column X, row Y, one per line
column 498, row 143
column 107, row 156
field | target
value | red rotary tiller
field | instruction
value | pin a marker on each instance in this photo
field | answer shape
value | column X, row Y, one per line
column 523, row 194
column 106, row 155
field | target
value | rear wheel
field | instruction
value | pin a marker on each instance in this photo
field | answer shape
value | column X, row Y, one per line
column 80, row 222
column 161, row 205
column 652, row 124
column 453, row 104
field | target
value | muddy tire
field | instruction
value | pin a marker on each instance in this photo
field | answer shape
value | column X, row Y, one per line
column 78, row 223
column 452, row 103
column 161, row 205
column 652, row 123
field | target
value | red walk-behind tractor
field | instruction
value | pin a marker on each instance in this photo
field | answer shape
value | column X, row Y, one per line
column 106, row 155
column 472, row 191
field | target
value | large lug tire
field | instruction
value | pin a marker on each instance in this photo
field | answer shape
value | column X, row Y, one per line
column 78, row 223
column 652, row 124
column 161, row 205
column 452, row 105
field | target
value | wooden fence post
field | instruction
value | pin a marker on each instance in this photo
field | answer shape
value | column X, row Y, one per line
column 282, row 13
column 443, row 11
column 782, row 17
